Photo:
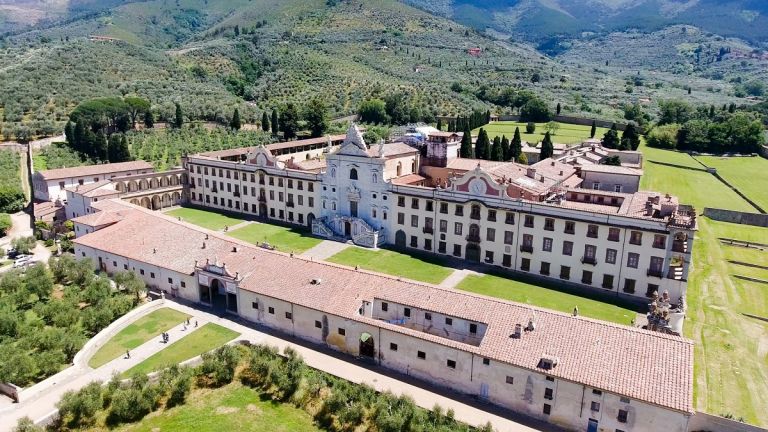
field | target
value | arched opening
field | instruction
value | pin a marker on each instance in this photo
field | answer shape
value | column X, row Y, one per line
column 163, row 181
column 132, row 186
column 399, row 169
column 174, row 180
column 347, row 229
column 367, row 345
column 120, row 187
column 135, row 202
column 165, row 201
column 146, row 203
column 400, row 238
column 154, row 183
column 156, row 205
column 175, row 198
column 143, row 185
column 353, row 174
column 310, row 219
column 474, row 233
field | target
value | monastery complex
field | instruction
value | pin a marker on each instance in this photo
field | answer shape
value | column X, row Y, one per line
column 568, row 218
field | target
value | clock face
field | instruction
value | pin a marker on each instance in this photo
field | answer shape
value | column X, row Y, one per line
column 477, row 187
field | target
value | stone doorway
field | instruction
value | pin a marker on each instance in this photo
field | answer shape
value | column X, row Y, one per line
column 367, row 346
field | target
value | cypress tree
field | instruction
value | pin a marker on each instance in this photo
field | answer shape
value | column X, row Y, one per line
column 149, row 119
column 179, row 121
column 80, row 137
column 611, row 138
column 439, row 124
column 466, row 150
column 516, row 147
column 558, row 108
column 497, row 154
column 289, row 121
column 275, row 128
column 265, row 122
column 593, row 131
column 101, row 148
column 118, row 149
column 235, row 122
column 504, row 148
column 630, row 139
column 547, row 148
column 483, row 145
column 69, row 132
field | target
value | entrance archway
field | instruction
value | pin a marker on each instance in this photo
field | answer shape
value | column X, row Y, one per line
column 347, row 229
column 262, row 210
column 473, row 252
column 367, row 345
column 310, row 219
column 400, row 238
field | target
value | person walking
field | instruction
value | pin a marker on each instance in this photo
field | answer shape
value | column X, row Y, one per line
column 195, row 323
column 127, row 354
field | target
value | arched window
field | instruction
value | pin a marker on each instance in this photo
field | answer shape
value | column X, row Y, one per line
column 353, row 174
column 399, row 169
column 333, row 172
column 374, row 178
column 333, row 205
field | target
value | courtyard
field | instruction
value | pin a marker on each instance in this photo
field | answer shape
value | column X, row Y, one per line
column 564, row 134
column 284, row 239
column 204, row 218
column 423, row 268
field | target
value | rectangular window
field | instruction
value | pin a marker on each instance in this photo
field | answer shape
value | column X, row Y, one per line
column 632, row 260
column 659, row 241
column 548, row 394
column 392, row 346
column 415, row 203
column 401, row 218
column 451, row 364
column 152, row 275
column 613, row 234
column 441, row 247
column 384, row 306
column 608, row 281
column 508, row 237
column 444, row 208
column 589, row 254
column 624, row 400
column 288, row 315
column 597, row 392
column 457, row 250
column 457, row 228
column 570, row 227
column 491, row 215
column 407, row 312
column 342, row 332
column 414, row 221
column 636, row 238
column 595, row 406
column 510, row 380
column 448, row 321
column 429, row 206
column 651, row 290
column 622, row 417
column 170, row 280
column 567, row 248
column 473, row 328
column 427, row 316
column 443, row 226
column 459, row 210
column 489, row 256
column 592, row 231
column 271, row 310
column 629, row 286
column 255, row 305
column 486, row 361
column 528, row 221
column 509, row 219
column 318, row 324
column 525, row 264
column 401, row 201
column 586, row 277
column 490, row 234
column 421, row 354
column 549, row 378
column 547, row 409
column 183, row 284
column 549, row 224
column 414, row 241
column 544, row 268
column 610, row 256
column 565, row 272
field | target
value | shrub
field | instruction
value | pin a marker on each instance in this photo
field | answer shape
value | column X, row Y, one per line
column 79, row 408
column 530, row 127
column 5, row 224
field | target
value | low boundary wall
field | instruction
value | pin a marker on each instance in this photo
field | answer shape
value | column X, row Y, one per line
column 703, row 422
column 744, row 218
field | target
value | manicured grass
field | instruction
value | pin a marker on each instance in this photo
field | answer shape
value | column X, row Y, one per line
column 205, row 218
column 285, row 239
column 204, row 339
column 137, row 333
column 653, row 155
column 694, row 187
column 233, row 407
column 748, row 174
column 417, row 267
column 566, row 134
column 522, row 292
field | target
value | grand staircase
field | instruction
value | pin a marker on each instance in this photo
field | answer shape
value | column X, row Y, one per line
column 333, row 229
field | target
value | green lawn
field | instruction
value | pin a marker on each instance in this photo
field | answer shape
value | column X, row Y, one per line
column 566, row 134
column 522, row 292
column 233, row 407
column 424, row 268
column 205, row 218
column 204, row 339
column 140, row 331
column 694, row 187
column 285, row 239
column 748, row 174
column 668, row 156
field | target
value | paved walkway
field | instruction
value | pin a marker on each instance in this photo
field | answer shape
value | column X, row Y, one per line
column 236, row 226
column 456, row 277
column 325, row 250
column 466, row 409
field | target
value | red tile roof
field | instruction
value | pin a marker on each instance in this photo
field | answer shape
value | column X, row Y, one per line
column 639, row 364
column 89, row 170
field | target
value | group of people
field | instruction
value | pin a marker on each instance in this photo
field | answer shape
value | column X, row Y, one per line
column 166, row 337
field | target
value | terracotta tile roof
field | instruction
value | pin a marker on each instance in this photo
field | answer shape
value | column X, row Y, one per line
column 89, row 170
column 408, row 179
column 102, row 218
column 611, row 169
column 639, row 364
column 274, row 146
column 392, row 149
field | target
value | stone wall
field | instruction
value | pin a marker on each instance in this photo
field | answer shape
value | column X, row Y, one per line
column 703, row 422
column 744, row 218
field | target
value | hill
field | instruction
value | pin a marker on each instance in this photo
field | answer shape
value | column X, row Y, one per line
column 539, row 20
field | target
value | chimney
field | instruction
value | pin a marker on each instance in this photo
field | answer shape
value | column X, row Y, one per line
column 234, row 248
column 518, row 331
column 561, row 172
column 553, row 163
column 531, row 173
column 203, row 245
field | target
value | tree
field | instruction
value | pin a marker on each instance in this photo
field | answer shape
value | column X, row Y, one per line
column 25, row 424
column 24, row 245
column 274, row 124
column 69, row 132
column 100, row 148
column 611, row 138
column 522, row 159
column 612, row 160
column 516, row 146
column 535, row 110
column 674, row 111
column 547, row 148
column 593, row 131
column 5, row 223
column 79, row 408
column 118, row 149
column 497, row 153
column 504, row 148
column 149, row 119
column 466, row 150
column 131, row 284
column 373, row 111
column 397, row 108
column 530, row 127
column 439, row 124
column 316, row 116
column 136, row 106
column 235, row 123
column 39, row 281
column 552, row 127
column 558, row 108
column 289, row 121
column 265, row 122
column 179, row 119
column 482, row 145
column 630, row 139
column 663, row 136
